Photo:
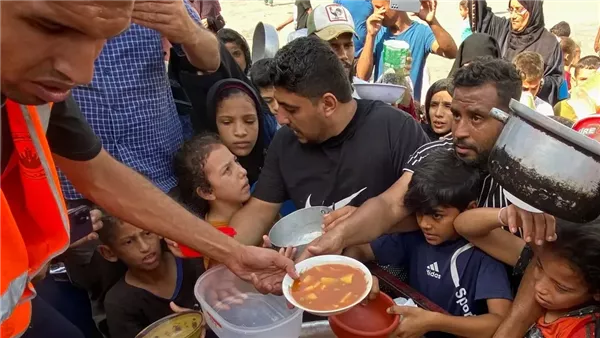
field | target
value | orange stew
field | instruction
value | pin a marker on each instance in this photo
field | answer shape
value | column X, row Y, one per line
column 329, row 287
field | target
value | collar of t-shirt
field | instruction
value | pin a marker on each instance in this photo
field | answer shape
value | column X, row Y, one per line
column 362, row 111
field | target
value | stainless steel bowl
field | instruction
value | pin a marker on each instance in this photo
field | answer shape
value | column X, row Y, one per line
column 265, row 42
column 298, row 228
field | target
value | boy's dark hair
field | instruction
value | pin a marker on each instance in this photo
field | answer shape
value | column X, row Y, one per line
column 580, row 245
column 588, row 62
column 463, row 3
column 189, row 168
column 442, row 180
column 569, row 49
column 490, row 70
column 530, row 65
column 565, row 121
column 308, row 67
column 561, row 29
column 107, row 234
column 229, row 35
column 261, row 74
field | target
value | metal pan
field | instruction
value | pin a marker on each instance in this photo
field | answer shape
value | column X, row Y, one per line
column 265, row 42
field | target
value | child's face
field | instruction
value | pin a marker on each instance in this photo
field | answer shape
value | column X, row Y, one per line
column 137, row 248
column 463, row 12
column 558, row 285
column 268, row 94
column 532, row 86
column 226, row 176
column 439, row 227
column 238, row 54
column 581, row 75
column 237, row 124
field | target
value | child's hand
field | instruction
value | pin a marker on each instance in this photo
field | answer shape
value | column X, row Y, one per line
column 374, row 289
column 178, row 309
column 174, row 247
column 535, row 226
column 414, row 321
column 288, row 252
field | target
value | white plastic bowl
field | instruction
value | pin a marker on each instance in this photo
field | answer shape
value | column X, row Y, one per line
column 322, row 260
column 385, row 92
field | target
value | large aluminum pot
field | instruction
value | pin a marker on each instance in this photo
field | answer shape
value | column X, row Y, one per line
column 265, row 42
column 298, row 228
column 547, row 165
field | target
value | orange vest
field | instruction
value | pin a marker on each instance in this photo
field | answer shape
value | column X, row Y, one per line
column 35, row 224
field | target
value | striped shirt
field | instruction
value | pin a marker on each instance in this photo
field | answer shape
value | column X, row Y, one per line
column 492, row 194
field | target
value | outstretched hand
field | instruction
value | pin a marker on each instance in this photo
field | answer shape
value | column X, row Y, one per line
column 536, row 227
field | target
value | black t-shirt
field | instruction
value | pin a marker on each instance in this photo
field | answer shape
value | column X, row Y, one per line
column 129, row 309
column 302, row 7
column 69, row 135
column 370, row 153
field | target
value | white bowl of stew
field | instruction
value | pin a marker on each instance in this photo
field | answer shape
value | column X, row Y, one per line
column 328, row 285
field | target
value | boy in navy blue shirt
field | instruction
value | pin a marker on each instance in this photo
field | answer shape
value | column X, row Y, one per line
column 470, row 285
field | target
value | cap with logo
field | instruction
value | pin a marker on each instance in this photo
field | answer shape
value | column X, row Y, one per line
column 330, row 21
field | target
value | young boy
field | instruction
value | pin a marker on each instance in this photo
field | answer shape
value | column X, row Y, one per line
column 154, row 278
column 262, row 79
column 585, row 68
column 561, row 30
column 473, row 287
column 531, row 67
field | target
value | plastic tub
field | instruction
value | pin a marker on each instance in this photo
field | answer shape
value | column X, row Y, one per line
column 233, row 308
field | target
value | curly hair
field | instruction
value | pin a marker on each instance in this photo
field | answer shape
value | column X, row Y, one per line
column 189, row 168
column 580, row 245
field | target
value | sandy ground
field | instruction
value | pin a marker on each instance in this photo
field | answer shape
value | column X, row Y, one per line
column 583, row 16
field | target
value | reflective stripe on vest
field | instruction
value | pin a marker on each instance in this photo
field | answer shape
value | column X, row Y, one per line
column 12, row 296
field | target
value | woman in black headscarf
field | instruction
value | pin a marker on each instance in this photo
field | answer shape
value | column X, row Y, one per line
column 476, row 45
column 437, row 110
column 524, row 31
column 233, row 110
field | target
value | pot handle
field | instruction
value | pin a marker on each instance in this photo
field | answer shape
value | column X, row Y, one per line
column 499, row 115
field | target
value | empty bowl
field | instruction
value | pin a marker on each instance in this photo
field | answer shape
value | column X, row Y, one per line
column 298, row 228
column 323, row 260
column 388, row 93
column 368, row 320
column 188, row 324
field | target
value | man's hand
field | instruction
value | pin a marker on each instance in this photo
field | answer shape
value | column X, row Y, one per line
column 96, row 216
column 538, row 227
column 329, row 243
column 413, row 321
column 265, row 268
column 428, row 9
column 374, row 21
column 335, row 217
column 169, row 17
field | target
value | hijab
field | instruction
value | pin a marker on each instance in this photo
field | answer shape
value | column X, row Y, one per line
column 436, row 87
column 520, row 41
column 477, row 44
column 254, row 161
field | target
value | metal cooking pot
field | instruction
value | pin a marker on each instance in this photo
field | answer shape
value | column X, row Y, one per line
column 298, row 228
column 546, row 164
column 265, row 42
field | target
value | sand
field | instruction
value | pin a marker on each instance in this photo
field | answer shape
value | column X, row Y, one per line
column 583, row 16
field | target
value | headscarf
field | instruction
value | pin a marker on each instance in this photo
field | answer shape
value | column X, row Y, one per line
column 436, row 87
column 477, row 44
column 520, row 41
column 254, row 161
column 229, row 35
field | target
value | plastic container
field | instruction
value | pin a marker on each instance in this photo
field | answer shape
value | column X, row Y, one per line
column 370, row 320
column 233, row 308
column 589, row 126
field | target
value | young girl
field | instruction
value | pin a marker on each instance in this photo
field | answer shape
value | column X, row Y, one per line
column 234, row 112
column 237, row 47
column 212, row 182
column 567, row 271
column 437, row 110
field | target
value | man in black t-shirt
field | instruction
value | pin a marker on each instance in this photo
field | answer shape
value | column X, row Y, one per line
column 331, row 149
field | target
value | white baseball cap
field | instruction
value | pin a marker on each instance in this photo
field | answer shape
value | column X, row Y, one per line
column 330, row 21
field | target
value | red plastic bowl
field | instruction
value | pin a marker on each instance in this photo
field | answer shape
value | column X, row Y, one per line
column 370, row 320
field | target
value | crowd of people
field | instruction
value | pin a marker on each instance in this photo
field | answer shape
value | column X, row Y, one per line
column 153, row 118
